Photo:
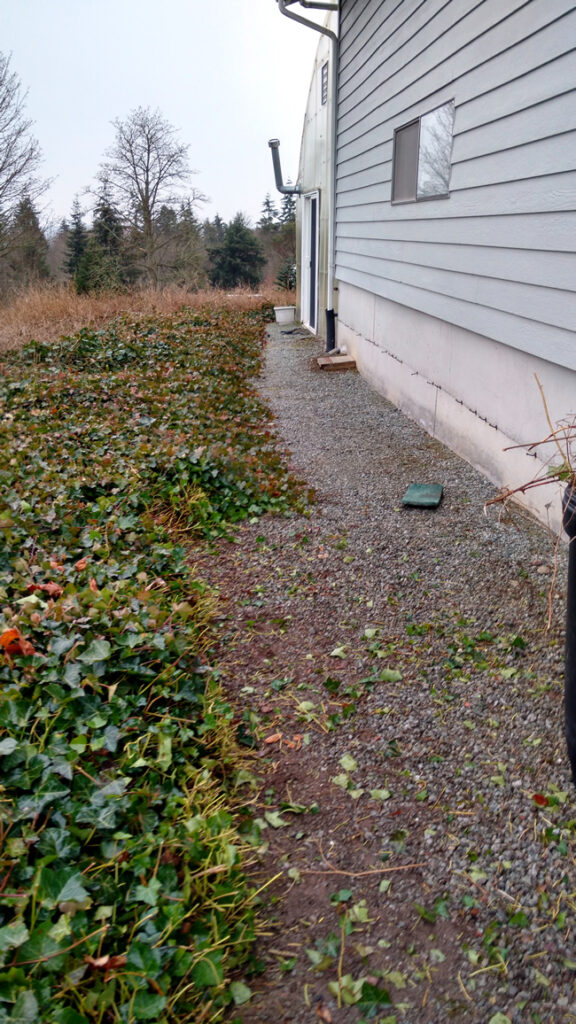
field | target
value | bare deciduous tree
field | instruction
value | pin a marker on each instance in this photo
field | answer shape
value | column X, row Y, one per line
column 19, row 151
column 146, row 170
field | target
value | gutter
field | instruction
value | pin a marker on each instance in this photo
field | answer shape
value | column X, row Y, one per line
column 317, row 5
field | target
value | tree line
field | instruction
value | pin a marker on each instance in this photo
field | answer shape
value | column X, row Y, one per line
column 139, row 225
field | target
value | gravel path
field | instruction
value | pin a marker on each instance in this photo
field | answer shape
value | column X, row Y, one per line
column 406, row 693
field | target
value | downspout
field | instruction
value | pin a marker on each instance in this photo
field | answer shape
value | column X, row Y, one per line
column 283, row 5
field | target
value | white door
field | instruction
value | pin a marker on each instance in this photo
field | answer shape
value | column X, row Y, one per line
column 309, row 262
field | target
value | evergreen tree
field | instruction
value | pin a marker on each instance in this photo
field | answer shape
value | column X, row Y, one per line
column 238, row 259
column 269, row 217
column 28, row 246
column 288, row 209
column 191, row 252
column 104, row 263
column 57, row 249
column 77, row 240
column 107, row 225
column 213, row 231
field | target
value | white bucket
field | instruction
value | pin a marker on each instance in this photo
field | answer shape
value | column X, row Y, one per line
column 285, row 314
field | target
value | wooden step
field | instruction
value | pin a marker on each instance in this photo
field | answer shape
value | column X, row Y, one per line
column 336, row 363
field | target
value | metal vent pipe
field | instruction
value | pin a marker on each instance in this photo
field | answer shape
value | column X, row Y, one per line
column 287, row 190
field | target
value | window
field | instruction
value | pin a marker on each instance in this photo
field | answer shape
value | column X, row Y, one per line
column 324, row 84
column 423, row 156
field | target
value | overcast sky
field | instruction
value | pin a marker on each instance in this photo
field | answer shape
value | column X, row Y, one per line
column 229, row 74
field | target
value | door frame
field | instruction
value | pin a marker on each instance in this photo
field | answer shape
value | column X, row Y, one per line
column 309, row 259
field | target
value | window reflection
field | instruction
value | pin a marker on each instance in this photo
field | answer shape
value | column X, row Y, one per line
column 435, row 151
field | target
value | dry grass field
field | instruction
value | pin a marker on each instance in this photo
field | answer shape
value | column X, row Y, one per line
column 46, row 312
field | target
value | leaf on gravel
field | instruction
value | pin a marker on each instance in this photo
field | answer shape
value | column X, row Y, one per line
column 396, row 978
column 341, row 780
column 499, row 1018
column 380, row 794
column 348, row 763
column 389, row 675
column 323, row 1013
column 240, row 993
column 339, row 652
column 275, row 819
column 372, row 995
column 437, row 956
column 425, row 914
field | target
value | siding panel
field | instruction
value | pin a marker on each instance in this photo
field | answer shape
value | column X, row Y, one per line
column 549, row 232
column 541, row 269
column 478, row 70
column 499, row 252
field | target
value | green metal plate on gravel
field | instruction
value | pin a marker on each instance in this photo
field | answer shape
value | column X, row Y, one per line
column 423, row 495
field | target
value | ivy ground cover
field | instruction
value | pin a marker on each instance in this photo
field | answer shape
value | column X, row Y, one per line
column 122, row 889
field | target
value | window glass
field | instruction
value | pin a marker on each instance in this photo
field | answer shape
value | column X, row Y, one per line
column 405, row 163
column 435, row 151
column 422, row 158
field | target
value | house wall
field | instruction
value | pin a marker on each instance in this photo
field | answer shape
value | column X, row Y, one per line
column 314, row 169
column 476, row 395
column 473, row 293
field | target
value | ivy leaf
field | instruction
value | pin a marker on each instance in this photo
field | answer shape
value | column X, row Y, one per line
column 240, row 993
column 275, row 819
column 13, row 935
column 148, row 893
column 209, row 971
column 380, row 794
column 147, row 1006
column 372, row 995
column 26, row 1009
column 98, row 650
column 61, row 887
column 389, row 675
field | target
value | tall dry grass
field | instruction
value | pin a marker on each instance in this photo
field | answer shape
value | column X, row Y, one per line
column 46, row 312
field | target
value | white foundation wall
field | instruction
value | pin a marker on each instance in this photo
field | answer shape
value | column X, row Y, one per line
column 474, row 394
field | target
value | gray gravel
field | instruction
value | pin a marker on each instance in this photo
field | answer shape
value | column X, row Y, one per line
column 456, row 600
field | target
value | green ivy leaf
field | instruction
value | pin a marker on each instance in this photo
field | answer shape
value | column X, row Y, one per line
column 13, row 935
column 208, row 972
column 240, row 993
column 98, row 650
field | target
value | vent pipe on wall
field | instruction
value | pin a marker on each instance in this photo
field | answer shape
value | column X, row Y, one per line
column 286, row 190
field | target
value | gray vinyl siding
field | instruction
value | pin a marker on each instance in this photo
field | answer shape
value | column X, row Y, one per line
column 498, row 256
